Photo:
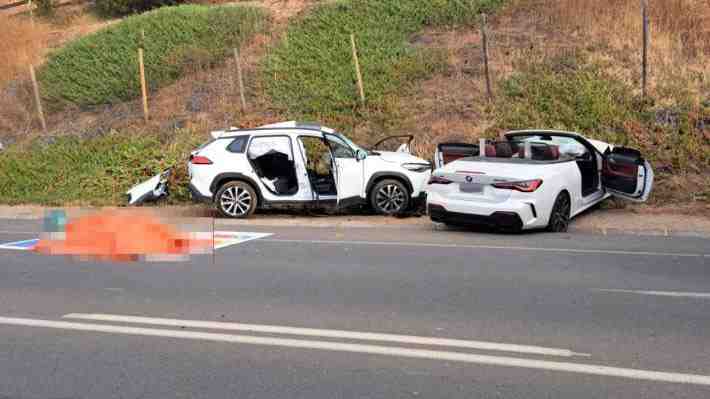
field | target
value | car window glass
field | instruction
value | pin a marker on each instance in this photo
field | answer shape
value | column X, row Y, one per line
column 238, row 145
column 262, row 145
column 339, row 147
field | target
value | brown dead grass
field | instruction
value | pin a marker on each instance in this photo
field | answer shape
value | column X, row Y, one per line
column 453, row 103
column 24, row 43
column 679, row 38
column 206, row 98
column 28, row 42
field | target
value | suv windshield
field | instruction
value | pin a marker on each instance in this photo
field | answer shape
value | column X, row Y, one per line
column 352, row 145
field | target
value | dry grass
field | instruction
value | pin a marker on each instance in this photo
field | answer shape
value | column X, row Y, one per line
column 679, row 34
column 28, row 42
column 25, row 43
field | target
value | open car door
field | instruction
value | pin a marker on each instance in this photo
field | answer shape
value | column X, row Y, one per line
column 626, row 174
column 347, row 168
column 449, row 152
column 400, row 143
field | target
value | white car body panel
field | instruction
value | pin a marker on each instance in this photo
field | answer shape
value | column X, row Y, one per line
column 150, row 190
column 555, row 177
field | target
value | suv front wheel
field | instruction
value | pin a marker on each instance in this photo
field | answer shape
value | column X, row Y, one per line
column 236, row 199
column 389, row 197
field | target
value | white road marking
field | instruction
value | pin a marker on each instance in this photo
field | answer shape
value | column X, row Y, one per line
column 590, row 369
column 676, row 294
column 24, row 245
column 496, row 247
column 223, row 239
column 312, row 332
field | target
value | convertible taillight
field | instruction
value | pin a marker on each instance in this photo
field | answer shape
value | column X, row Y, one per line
column 200, row 160
column 527, row 186
column 439, row 180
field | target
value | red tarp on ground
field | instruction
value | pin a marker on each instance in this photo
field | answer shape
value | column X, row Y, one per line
column 121, row 236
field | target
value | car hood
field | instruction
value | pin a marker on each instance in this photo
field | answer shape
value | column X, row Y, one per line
column 399, row 157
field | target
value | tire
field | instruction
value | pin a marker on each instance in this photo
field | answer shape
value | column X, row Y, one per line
column 390, row 197
column 236, row 199
column 560, row 215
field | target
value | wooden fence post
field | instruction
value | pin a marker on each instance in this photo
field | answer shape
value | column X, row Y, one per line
column 141, row 67
column 38, row 100
column 644, row 62
column 240, row 79
column 484, row 49
column 357, row 69
column 29, row 7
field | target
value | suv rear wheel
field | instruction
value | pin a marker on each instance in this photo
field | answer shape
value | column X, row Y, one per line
column 389, row 197
column 236, row 199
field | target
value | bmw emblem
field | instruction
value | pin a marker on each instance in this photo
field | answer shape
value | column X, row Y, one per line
column 469, row 179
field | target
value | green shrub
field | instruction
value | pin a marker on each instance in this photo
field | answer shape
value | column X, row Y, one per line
column 103, row 67
column 123, row 7
column 45, row 8
column 575, row 95
column 95, row 171
column 566, row 94
column 311, row 74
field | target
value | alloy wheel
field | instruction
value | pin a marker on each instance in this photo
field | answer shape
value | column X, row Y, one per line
column 559, row 220
column 236, row 201
column 390, row 198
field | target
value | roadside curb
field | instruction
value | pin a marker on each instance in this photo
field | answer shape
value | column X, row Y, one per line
column 348, row 222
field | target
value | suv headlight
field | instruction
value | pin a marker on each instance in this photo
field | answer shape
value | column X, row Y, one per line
column 417, row 167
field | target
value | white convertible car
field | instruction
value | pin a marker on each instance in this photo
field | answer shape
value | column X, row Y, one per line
column 532, row 179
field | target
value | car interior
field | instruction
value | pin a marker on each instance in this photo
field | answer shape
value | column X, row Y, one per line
column 272, row 160
column 542, row 148
column 318, row 165
column 548, row 147
column 620, row 170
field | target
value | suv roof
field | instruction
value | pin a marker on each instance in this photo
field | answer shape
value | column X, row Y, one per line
column 290, row 125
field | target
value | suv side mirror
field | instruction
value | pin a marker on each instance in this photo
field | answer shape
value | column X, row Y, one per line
column 360, row 155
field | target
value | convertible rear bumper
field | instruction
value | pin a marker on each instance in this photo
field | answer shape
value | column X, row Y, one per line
column 506, row 220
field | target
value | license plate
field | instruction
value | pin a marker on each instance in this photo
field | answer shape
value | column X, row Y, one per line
column 471, row 187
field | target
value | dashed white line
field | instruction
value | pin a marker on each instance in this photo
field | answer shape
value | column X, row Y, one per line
column 503, row 361
column 495, row 247
column 676, row 294
column 312, row 332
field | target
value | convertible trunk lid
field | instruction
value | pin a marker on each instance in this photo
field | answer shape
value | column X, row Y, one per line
column 473, row 179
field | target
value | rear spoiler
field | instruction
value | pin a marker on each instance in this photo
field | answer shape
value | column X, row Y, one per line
column 219, row 133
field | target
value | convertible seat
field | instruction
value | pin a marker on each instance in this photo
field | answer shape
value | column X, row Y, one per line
column 504, row 149
column 546, row 152
column 491, row 150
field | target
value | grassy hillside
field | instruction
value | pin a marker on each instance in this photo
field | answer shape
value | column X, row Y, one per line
column 311, row 73
column 564, row 64
column 102, row 67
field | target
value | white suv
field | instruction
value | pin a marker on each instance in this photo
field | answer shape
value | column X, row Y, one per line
column 289, row 163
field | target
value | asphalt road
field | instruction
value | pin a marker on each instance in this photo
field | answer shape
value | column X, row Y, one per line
column 363, row 313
